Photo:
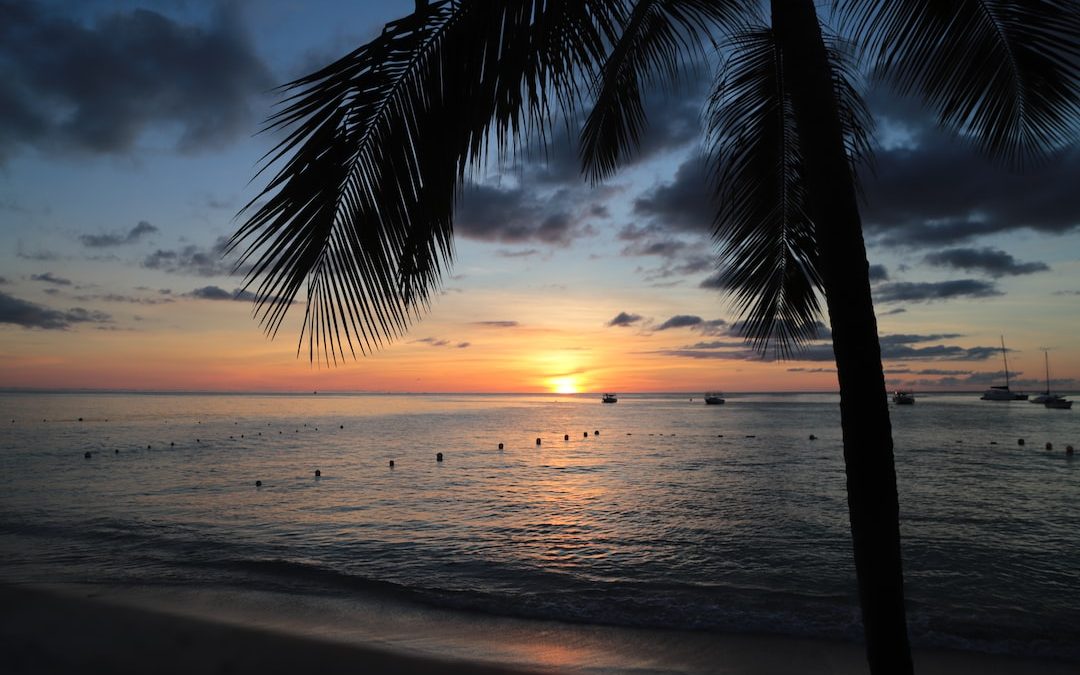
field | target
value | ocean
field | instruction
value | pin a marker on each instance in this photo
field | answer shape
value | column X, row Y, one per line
column 655, row 512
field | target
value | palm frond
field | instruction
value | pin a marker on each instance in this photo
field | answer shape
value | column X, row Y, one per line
column 1003, row 72
column 377, row 147
column 767, row 256
column 656, row 38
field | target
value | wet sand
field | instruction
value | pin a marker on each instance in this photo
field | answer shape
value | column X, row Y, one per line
column 75, row 629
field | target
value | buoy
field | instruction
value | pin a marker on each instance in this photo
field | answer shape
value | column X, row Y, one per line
column 719, row 435
column 1049, row 445
column 1068, row 450
column 438, row 456
column 116, row 452
column 258, row 483
column 172, row 444
column 342, row 426
column 13, row 421
column 391, row 464
column 586, row 434
column 88, row 454
column 813, row 437
column 538, row 441
column 198, row 441
column 500, row 446
column 993, row 442
column 318, row 473
column 959, row 441
column 596, row 433
column 751, row 436
column 241, row 435
column 1019, row 441
column 148, row 447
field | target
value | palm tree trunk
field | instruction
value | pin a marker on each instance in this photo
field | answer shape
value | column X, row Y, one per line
column 864, row 413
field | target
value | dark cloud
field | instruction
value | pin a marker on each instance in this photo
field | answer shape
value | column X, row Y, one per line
column 684, row 204
column 133, row 235
column 31, row 315
column 937, row 353
column 879, row 273
column 218, row 293
column 513, row 216
column 681, row 321
column 440, row 342
column 928, row 189
column 116, row 297
column 192, row 260
column 50, row 278
column 98, row 88
column 988, row 260
column 898, row 310
column 3, row 280
column 624, row 319
column 496, row 324
column 911, row 338
column 927, row 291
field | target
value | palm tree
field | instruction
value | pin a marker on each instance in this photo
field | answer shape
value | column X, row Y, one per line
column 379, row 144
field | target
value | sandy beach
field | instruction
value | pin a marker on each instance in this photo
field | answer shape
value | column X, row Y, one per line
column 92, row 629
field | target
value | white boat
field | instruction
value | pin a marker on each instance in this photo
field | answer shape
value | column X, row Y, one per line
column 610, row 398
column 903, row 398
column 714, row 398
column 1001, row 392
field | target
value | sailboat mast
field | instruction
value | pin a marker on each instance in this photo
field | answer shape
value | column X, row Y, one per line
column 1005, row 358
column 1046, row 356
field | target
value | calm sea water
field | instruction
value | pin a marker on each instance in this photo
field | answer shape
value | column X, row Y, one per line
column 677, row 514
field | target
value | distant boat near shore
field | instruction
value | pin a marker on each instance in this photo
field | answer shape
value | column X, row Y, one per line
column 609, row 398
column 903, row 398
column 1046, row 398
column 1002, row 392
column 714, row 398
column 1059, row 402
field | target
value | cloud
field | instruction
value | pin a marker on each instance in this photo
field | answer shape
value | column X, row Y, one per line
column 441, row 342
column 624, row 319
column 933, row 190
column 192, row 260
column 50, row 278
column 907, row 291
column 118, row 239
column 683, row 205
column 513, row 216
column 681, row 321
column 218, row 293
column 988, row 260
column 3, row 280
column 31, row 315
column 879, row 273
column 99, row 88
column 496, row 324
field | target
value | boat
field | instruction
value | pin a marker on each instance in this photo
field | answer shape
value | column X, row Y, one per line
column 714, row 398
column 1059, row 402
column 1046, row 395
column 610, row 398
column 903, row 398
column 1001, row 392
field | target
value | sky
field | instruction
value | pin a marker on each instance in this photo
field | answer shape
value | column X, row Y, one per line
column 128, row 144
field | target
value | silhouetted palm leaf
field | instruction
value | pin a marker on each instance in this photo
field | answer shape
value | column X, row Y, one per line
column 1001, row 72
column 380, row 141
column 656, row 39
column 768, row 256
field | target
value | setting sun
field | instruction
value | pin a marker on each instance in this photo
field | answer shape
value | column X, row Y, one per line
column 563, row 385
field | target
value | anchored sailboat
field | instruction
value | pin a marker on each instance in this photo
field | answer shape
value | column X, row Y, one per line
column 1002, row 392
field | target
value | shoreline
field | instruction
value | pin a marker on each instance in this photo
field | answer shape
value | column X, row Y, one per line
column 60, row 629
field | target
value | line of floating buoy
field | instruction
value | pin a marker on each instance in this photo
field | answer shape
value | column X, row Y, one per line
column 88, row 454
column 1049, row 445
column 538, row 441
column 566, row 437
column 500, row 446
column 438, row 455
column 258, row 483
column 1019, row 441
column 318, row 473
column 391, row 464
column 813, row 437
